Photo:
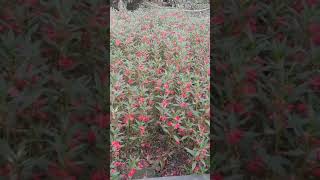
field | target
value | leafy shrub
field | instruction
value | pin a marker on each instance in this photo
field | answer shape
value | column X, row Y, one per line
column 159, row 94
column 53, row 96
column 265, row 89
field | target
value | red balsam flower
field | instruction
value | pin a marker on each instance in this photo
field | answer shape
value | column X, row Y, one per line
column 116, row 145
column 256, row 166
column 66, row 63
column 235, row 136
column 132, row 172
column 99, row 175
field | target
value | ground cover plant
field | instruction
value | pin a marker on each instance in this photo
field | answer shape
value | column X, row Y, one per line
column 159, row 93
column 53, row 91
column 265, row 89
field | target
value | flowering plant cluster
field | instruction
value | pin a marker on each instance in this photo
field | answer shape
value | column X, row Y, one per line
column 53, row 89
column 159, row 94
column 265, row 89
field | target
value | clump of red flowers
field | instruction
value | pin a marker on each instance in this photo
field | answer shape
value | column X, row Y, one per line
column 314, row 30
column 132, row 172
column 235, row 136
column 66, row 62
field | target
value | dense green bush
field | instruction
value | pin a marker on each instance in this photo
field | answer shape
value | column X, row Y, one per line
column 53, row 78
column 159, row 94
column 265, row 89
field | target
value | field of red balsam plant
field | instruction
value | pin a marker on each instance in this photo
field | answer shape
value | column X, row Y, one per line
column 160, row 69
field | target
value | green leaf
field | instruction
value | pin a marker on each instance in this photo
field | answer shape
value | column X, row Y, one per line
column 176, row 138
column 189, row 151
column 296, row 152
column 165, row 129
column 5, row 150
column 277, row 164
column 194, row 165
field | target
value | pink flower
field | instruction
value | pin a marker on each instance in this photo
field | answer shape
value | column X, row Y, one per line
column 291, row 107
column 188, row 85
column 91, row 137
column 280, row 36
column 181, row 132
column 102, row 120
column 298, row 6
column 249, row 89
column 50, row 32
column 141, row 100
column 145, row 40
column 163, row 34
column 177, row 118
column 118, row 42
column 177, row 126
column 312, row 2
column 56, row 171
column 143, row 118
column 235, row 136
column 2, row 28
column 99, row 175
column 314, row 28
column 318, row 155
column 160, row 71
column 221, row 67
column 145, row 145
column 139, row 54
column 184, row 95
column 217, row 176
column 168, row 92
column 150, row 102
column 142, row 130
column 21, row 83
column 177, row 141
column 316, row 172
column 130, row 81
column 132, row 172
column 315, row 83
column 37, row 176
column 189, row 114
column 66, row 62
column 251, row 75
column 316, row 39
column 117, row 164
column 129, row 40
column 129, row 117
column 217, row 20
column 116, row 145
column 74, row 168
column 5, row 170
column 163, row 118
column 255, row 166
column 140, row 165
column 165, row 103
column 183, row 104
column 302, row 108
column 166, row 86
column 196, row 169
